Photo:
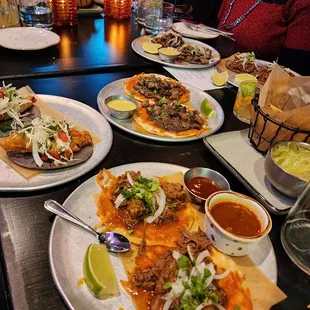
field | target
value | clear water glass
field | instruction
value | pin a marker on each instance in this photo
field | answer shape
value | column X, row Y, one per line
column 159, row 20
column 148, row 7
column 36, row 13
column 8, row 13
column 295, row 232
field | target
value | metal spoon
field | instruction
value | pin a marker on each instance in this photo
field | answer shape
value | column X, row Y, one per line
column 114, row 242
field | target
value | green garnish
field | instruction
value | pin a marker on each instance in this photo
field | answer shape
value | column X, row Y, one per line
column 179, row 102
column 250, row 57
column 183, row 262
column 237, row 308
column 142, row 189
column 130, row 231
column 4, row 128
column 132, row 95
column 167, row 285
column 163, row 100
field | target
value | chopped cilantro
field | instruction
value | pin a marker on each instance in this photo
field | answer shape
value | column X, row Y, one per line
column 4, row 128
column 237, row 308
column 179, row 102
column 130, row 231
column 183, row 262
column 167, row 285
column 163, row 100
column 132, row 95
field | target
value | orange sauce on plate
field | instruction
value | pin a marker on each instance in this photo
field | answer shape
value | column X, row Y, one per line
column 237, row 219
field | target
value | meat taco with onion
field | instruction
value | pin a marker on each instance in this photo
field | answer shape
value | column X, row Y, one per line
column 242, row 63
column 192, row 275
column 46, row 144
column 170, row 118
column 144, row 208
column 152, row 87
column 15, row 110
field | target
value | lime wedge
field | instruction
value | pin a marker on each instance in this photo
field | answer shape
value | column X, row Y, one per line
column 244, row 77
column 151, row 48
column 219, row 79
column 206, row 108
column 248, row 88
column 98, row 272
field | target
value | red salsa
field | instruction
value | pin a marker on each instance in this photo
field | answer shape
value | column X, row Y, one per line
column 236, row 219
column 202, row 187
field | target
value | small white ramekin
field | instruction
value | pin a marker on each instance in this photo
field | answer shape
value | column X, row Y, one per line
column 225, row 241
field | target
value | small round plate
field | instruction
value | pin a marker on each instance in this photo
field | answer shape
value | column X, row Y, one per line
column 27, row 38
column 128, row 125
column 137, row 46
column 184, row 31
column 68, row 244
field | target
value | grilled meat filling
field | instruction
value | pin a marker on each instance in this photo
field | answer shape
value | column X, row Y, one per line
column 173, row 116
column 195, row 54
column 169, row 39
column 165, row 269
column 133, row 211
column 153, row 87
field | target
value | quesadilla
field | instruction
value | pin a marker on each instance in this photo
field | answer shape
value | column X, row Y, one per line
column 153, row 87
column 170, row 119
column 143, row 208
column 46, row 143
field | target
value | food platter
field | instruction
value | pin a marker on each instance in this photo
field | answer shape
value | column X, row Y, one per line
column 221, row 66
column 12, row 181
column 197, row 96
column 68, row 244
column 184, row 31
column 137, row 46
column 27, row 38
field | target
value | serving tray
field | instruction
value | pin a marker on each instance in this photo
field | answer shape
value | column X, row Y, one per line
column 235, row 152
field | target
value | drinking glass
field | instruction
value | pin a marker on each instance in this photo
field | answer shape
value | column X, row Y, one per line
column 159, row 19
column 8, row 13
column 295, row 232
column 36, row 13
column 143, row 6
column 243, row 103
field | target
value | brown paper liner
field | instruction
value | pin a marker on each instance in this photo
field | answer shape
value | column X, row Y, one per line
column 47, row 110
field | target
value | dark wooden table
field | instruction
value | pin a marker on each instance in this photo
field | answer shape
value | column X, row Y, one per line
column 89, row 57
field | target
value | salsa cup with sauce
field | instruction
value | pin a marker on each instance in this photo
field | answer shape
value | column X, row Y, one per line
column 120, row 106
column 235, row 223
column 168, row 54
column 201, row 182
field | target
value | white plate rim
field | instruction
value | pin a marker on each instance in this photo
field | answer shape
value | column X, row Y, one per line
column 134, row 166
column 108, row 146
column 25, row 29
column 188, row 35
column 186, row 40
column 220, row 116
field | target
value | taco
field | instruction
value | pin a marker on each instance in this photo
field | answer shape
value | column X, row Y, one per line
column 15, row 110
column 170, row 119
column 153, row 87
column 143, row 208
column 46, row 144
column 242, row 63
column 190, row 275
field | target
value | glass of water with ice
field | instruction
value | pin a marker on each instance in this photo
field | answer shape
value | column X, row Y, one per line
column 36, row 13
column 295, row 232
column 159, row 19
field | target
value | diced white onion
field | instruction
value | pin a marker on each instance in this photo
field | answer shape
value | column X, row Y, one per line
column 129, row 178
column 190, row 253
column 204, row 304
column 210, row 267
column 218, row 306
column 176, row 255
column 202, row 256
column 119, row 199
column 161, row 201
column 222, row 275
column 36, row 155
column 168, row 303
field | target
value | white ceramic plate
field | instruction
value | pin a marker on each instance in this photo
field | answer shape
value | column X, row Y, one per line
column 260, row 63
column 137, row 47
column 27, row 38
column 11, row 181
column 68, row 244
column 196, row 98
column 186, row 32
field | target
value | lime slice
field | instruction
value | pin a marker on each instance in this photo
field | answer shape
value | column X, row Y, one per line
column 219, row 79
column 207, row 109
column 98, row 272
column 248, row 88
column 151, row 48
column 244, row 77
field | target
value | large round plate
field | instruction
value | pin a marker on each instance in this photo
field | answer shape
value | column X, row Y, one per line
column 27, row 38
column 186, row 32
column 68, row 244
column 137, row 47
column 221, row 66
column 196, row 98
column 11, row 181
